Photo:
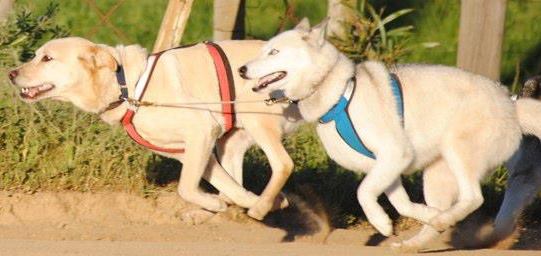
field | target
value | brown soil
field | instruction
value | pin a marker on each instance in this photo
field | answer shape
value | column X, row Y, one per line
column 123, row 224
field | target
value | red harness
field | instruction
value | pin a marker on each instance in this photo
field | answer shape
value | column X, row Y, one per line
column 227, row 94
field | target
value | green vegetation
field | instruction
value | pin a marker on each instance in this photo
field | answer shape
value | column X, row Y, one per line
column 435, row 25
column 52, row 146
column 436, row 34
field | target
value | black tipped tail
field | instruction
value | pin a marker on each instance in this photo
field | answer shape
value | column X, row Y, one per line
column 532, row 88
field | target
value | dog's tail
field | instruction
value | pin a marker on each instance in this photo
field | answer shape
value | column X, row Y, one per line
column 528, row 107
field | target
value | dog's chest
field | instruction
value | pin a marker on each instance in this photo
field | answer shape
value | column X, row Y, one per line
column 340, row 152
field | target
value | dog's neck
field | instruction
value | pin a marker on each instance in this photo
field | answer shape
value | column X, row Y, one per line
column 112, row 87
column 328, row 91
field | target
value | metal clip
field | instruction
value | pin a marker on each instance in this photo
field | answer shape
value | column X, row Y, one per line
column 514, row 97
column 272, row 101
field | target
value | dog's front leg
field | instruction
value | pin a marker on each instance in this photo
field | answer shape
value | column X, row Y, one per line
column 198, row 150
column 270, row 141
column 399, row 198
column 389, row 165
column 231, row 150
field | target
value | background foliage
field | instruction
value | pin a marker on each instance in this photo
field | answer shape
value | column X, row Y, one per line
column 52, row 146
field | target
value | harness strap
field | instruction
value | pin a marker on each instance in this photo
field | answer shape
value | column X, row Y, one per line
column 396, row 87
column 134, row 135
column 226, row 84
column 339, row 114
column 144, row 79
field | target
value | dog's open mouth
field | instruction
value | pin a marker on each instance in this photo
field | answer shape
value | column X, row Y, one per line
column 269, row 79
column 33, row 92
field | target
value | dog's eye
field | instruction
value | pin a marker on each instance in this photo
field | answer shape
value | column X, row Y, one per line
column 273, row 52
column 46, row 58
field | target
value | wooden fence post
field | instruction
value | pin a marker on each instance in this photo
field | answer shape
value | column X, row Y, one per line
column 173, row 24
column 5, row 8
column 340, row 12
column 481, row 36
column 226, row 14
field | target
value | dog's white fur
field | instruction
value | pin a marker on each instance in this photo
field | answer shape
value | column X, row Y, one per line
column 458, row 126
column 83, row 73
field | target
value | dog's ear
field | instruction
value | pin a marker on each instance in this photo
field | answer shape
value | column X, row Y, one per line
column 318, row 33
column 304, row 25
column 98, row 57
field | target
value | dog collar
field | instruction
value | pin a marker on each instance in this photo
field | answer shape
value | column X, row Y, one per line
column 121, row 80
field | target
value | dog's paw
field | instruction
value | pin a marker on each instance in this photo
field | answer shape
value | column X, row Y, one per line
column 248, row 200
column 441, row 222
column 212, row 203
column 424, row 213
column 207, row 201
column 405, row 247
column 383, row 225
column 225, row 198
column 260, row 209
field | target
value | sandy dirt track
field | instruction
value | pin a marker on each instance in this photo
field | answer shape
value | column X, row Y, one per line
column 122, row 224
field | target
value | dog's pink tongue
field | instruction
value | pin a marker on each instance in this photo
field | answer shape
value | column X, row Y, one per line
column 33, row 92
column 264, row 80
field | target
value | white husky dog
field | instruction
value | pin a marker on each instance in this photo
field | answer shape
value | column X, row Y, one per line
column 456, row 125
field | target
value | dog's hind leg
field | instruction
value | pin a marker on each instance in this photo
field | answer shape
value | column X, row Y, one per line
column 440, row 191
column 522, row 186
column 521, row 190
column 468, row 166
column 269, row 138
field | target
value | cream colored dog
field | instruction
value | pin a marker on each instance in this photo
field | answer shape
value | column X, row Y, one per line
column 83, row 73
column 457, row 125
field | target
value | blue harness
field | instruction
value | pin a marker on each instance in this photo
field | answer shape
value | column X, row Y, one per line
column 344, row 126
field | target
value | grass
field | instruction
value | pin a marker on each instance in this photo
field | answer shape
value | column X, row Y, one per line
column 45, row 147
column 52, row 146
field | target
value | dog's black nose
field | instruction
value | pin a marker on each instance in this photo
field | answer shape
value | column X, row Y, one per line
column 13, row 74
column 242, row 72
